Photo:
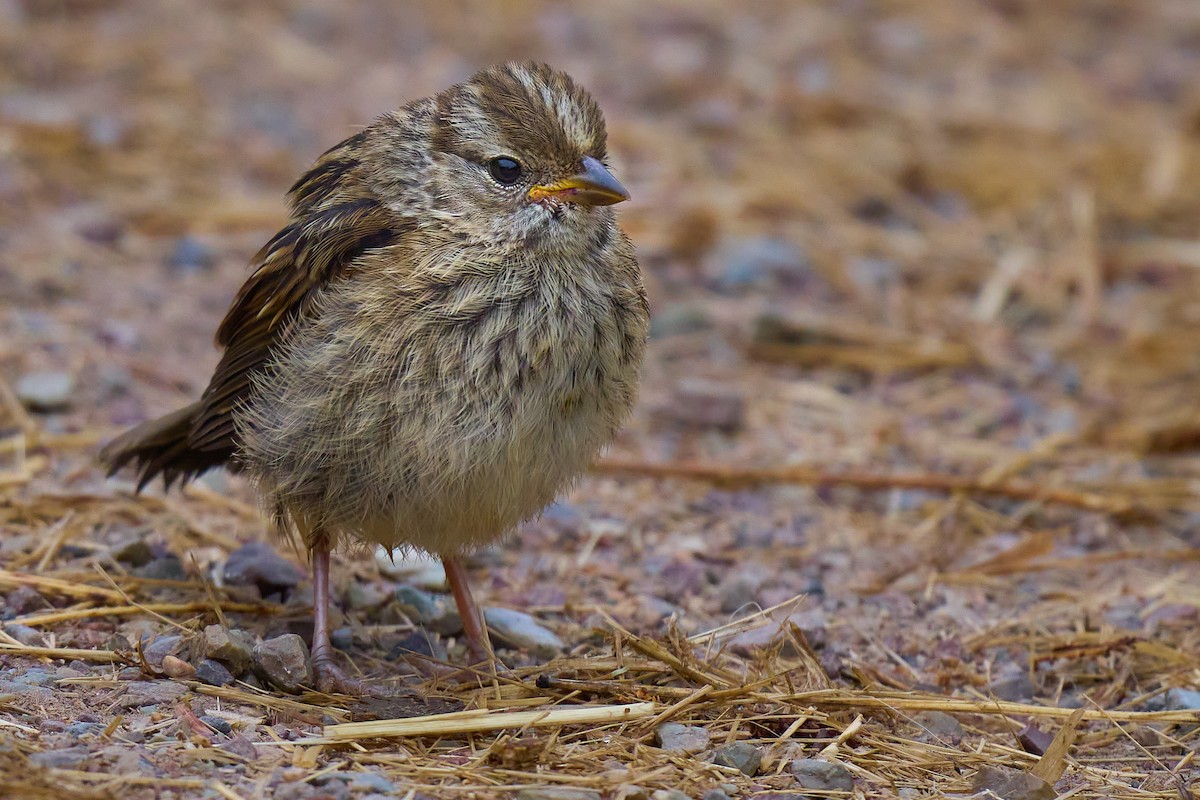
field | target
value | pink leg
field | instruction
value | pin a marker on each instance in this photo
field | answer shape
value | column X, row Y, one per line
column 329, row 677
column 478, row 643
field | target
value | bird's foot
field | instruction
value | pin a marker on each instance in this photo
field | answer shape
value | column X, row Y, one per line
column 332, row 679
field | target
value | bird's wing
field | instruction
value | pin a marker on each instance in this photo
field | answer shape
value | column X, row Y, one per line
column 334, row 222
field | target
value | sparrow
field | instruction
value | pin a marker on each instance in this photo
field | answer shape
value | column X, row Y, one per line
column 442, row 337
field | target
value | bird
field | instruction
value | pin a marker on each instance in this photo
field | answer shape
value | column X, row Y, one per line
column 442, row 337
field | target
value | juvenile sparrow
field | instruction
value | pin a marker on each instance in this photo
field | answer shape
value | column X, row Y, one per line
column 442, row 337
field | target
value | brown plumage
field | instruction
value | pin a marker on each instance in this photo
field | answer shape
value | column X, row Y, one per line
column 442, row 337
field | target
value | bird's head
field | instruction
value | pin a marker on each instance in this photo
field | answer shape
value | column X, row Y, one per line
column 518, row 153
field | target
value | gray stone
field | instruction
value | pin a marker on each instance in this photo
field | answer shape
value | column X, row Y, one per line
column 412, row 567
column 523, row 631
column 231, row 646
column 938, row 726
column 1016, row 689
column 363, row 596
column 214, row 673
column 714, row 794
column 557, row 793
column 159, row 648
column 421, row 607
column 45, row 391
column 1181, row 700
column 80, row 729
column 741, row 262
column 25, row 634
column 191, row 255
column 669, row 794
column 1012, row 784
column 679, row 318
column 742, row 756
column 167, row 568
column 257, row 564
column 678, row 738
column 283, row 662
column 217, row 724
column 372, row 782
column 67, row 758
column 36, row 676
column 813, row 773
column 151, row 693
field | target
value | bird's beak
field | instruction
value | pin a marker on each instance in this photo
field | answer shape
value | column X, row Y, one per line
column 593, row 186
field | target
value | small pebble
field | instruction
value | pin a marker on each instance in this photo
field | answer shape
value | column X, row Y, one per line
column 66, row 758
column 191, row 255
column 283, row 662
column 25, row 634
column 1181, row 700
column 557, row 793
column 79, row 729
column 217, row 724
column 365, row 596
column 178, row 668
column 135, row 552
column 160, row 648
column 1012, row 784
column 669, row 794
column 523, row 631
column 938, row 726
column 679, row 738
column 371, row 781
column 45, row 391
column 1016, row 689
column 230, row 646
column 742, row 756
column 257, row 564
column 214, row 673
column 421, row 607
column 167, row 568
column 714, row 794
column 412, row 567
column 813, row 773
column 151, row 693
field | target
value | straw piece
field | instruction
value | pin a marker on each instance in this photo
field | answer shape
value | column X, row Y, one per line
column 471, row 722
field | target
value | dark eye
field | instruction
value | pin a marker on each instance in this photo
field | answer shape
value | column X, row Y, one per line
column 505, row 170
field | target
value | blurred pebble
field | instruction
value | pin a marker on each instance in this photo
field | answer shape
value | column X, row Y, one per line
column 45, row 391
column 557, row 793
column 523, row 631
column 938, row 726
column 283, row 662
column 419, row 643
column 1012, row 784
column 365, row 596
column 25, row 634
column 677, row 319
column 167, row 568
column 1181, row 700
column 411, row 566
column 372, row 782
column 704, row 404
column 191, row 255
column 67, row 758
column 669, row 794
column 742, row 756
column 24, row 600
column 135, row 552
column 257, row 564
column 714, row 794
column 742, row 262
column 214, row 673
column 678, row 738
column 813, row 773
column 1017, row 689
column 151, row 693
column 217, row 724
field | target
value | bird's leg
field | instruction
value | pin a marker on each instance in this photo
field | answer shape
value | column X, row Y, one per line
column 329, row 677
column 479, row 646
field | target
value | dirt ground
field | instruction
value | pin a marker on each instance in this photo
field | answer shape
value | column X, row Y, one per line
column 914, row 474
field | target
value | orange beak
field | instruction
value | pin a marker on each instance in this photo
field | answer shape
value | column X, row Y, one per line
column 594, row 186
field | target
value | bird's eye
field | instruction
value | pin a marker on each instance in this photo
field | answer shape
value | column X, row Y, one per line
column 505, row 170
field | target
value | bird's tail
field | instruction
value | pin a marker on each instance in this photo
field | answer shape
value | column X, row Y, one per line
column 163, row 447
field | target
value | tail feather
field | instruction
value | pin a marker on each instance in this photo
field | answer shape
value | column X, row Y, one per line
column 163, row 447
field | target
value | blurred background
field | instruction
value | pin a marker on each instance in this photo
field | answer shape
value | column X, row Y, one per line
column 929, row 238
